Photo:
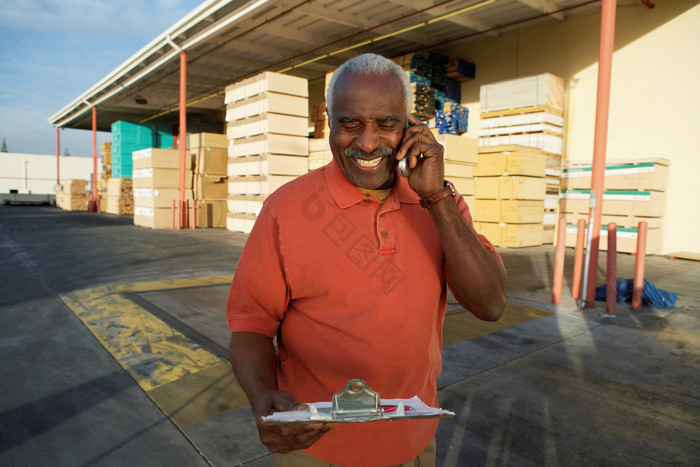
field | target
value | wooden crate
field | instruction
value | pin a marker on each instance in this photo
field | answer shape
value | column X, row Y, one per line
column 517, row 187
column 464, row 186
column 159, row 159
column 544, row 89
column 210, row 187
column 511, row 235
column 207, row 140
column 257, row 184
column 459, row 169
column 210, row 213
column 459, row 149
column 267, row 123
column 158, row 198
column 266, row 82
column 617, row 203
column 510, row 160
column 647, row 176
column 272, row 102
column 517, row 211
column 271, row 144
column 209, row 160
column 153, row 218
column 160, row 178
column 620, row 221
column 240, row 222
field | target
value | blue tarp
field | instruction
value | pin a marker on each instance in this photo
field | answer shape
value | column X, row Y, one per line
column 651, row 296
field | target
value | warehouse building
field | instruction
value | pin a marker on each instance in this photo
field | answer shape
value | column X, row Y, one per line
column 501, row 53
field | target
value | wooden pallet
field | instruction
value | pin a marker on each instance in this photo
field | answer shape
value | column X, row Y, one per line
column 523, row 110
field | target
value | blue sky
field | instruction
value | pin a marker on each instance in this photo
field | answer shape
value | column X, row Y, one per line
column 53, row 50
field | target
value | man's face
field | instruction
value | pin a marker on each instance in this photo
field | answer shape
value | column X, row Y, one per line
column 369, row 119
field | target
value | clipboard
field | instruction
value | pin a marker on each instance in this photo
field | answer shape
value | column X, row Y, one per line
column 357, row 403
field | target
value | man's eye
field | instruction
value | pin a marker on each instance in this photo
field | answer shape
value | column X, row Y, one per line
column 387, row 126
column 350, row 125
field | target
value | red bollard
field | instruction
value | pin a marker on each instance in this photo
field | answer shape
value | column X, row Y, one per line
column 172, row 213
column 193, row 221
column 638, row 287
column 559, row 257
column 578, row 259
column 611, row 287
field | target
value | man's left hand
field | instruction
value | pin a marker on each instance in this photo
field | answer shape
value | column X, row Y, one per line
column 425, row 156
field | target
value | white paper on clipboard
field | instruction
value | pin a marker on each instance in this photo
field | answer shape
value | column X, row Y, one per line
column 392, row 409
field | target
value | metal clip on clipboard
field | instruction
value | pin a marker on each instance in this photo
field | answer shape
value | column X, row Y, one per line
column 356, row 401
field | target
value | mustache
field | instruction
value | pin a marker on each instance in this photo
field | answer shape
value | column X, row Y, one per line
column 378, row 152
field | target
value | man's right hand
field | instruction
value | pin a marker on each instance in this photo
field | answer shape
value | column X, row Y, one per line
column 284, row 438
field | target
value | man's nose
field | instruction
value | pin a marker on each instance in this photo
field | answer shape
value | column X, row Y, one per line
column 368, row 139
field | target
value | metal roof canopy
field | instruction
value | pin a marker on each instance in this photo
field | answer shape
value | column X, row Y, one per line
column 228, row 40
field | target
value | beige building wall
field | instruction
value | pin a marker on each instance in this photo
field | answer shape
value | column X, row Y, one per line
column 655, row 95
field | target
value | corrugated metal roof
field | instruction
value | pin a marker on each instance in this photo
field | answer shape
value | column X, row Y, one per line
column 228, row 40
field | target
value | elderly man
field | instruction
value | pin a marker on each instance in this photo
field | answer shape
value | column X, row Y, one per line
column 347, row 266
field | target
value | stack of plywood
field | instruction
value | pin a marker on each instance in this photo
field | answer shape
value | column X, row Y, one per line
column 106, row 159
column 156, row 181
column 106, row 174
column 634, row 192
column 461, row 156
column 319, row 153
column 120, row 196
column 210, row 154
column 267, row 128
column 529, row 112
column 71, row 195
column 510, row 191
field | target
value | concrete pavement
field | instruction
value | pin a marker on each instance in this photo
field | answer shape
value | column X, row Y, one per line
column 81, row 384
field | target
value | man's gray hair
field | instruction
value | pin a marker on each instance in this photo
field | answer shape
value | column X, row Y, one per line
column 369, row 64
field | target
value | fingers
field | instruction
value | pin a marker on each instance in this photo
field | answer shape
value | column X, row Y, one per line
column 288, row 438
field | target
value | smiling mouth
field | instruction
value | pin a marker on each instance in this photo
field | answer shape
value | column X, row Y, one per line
column 368, row 163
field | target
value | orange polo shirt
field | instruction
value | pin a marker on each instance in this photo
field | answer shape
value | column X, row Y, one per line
column 353, row 289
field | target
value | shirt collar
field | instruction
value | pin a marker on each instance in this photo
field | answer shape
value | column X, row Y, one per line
column 346, row 194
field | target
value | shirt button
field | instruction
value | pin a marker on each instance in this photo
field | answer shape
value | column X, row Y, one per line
column 367, row 200
column 384, row 234
column 381, row 215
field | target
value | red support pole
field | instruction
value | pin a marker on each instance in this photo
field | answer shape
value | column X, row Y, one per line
column 578, row 259
column 638, row 284
column 58, row 158
column 183, row 134
column 559, row 258
column 92, row 203
column 607, row 42
column 611, row 287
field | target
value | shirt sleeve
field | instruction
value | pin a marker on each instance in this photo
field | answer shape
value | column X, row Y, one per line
column 259, row 294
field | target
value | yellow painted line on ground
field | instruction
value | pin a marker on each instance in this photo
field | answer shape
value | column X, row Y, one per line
column 145, row 346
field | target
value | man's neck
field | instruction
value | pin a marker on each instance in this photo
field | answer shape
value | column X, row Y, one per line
column 381, row 195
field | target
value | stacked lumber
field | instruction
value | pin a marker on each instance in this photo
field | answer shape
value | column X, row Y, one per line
column 128, row 137
column 461, row 157
column 528, row 112
column 634, row 192
column 319, row 153
column 210, row 154
column 156, row 182
column 267, row 128
column 106, row 174
column 71, row 195
column 320, row 120
column 510, row 191
column 120, row 196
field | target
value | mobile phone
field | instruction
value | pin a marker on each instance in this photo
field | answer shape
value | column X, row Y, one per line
column 404, row 169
